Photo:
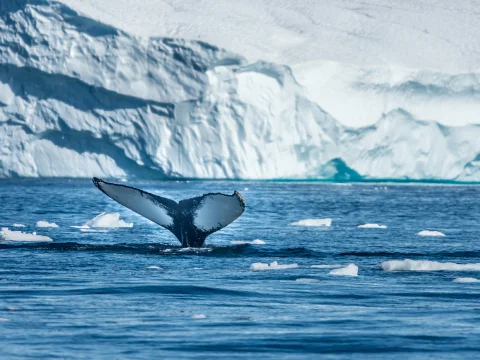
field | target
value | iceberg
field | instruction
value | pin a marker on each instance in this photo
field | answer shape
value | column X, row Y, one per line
column 80, row 98
column 9, row 235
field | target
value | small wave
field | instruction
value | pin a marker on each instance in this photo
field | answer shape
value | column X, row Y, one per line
column 10, row 235
column 466, row 280
column 307, row 280
column 334, row 266
column 349, row 270
column 430, row 233
column 272, row 266
column 372, row 226
column 254, row 242
column 313, row 222
column 45, row 224
column 426, row 265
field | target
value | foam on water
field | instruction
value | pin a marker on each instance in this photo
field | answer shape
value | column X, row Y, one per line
column 313, row 222
column 45, row 224
column 372, row 226
column 349, row 270
column 272, row 266
column 153, row 267
column 254, row 242
column 426, row 265
column 9, row 235
column 466, row 280
column 430, row 233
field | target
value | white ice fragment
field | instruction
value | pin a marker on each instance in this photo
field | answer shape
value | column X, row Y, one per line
column 334, row 266
column 273, row 266
column 466, row 280
column 372, row 226
column 46, row 224
column 307, row 280
column 18, row 225
column 254, row 242
column 88, row 230
column 349, row 270
column 426, row 265
column 105, row 220
column 199, row 316
column 154, row 267
column 9, row 235
column 313, row 222
column 430, row 233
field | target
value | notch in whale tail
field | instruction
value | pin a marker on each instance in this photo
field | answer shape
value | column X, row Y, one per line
column 190, row 220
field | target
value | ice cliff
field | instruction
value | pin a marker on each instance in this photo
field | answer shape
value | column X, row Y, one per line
column 79, row 98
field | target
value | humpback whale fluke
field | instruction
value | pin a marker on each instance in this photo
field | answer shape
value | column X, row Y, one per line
column 190, row 220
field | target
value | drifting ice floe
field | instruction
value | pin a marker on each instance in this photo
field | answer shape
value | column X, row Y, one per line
column 425, row 265
column 372, row 226
column 18, row 225
column 45, row 224
column 313, row 222
column 9, row 235
column 466, row 280
column 430, row 233
column 273, row 266
column 307, row 280
column 254, row 242
column 336, row 266
column 199, row 316
column 349, row 270
column 105, row 220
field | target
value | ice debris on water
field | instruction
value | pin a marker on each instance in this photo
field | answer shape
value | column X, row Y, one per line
column 466, row 280
column 426, row 265
column 154, row 267
column 430, row 233
column 9, row 235
column 272, row 266
column 349, row 270
column 372, row 226
column 199, row 316
column 105, row 220
column 334, row 266
column 18, row 225
column 313, row 222
column 307, row 280
column 45, row 224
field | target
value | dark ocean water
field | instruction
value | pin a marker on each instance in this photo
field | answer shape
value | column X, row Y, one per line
column 92, row 295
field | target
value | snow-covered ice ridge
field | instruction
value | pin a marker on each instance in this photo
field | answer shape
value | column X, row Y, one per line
column 79, row 98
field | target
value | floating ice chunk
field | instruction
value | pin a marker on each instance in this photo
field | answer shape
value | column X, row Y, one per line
column 372, row 226
column 46, row 224
column 273, row 266
column 105, row 220
column 199, row 316
column 254, row 242
column 246, row 189
column 425, row 265
column 430, row 233
column 88, row 230
column 307, row 280
column 313, row 222
column 466, row 280
column 349, row 270
column 18, row 225
column 154, row 268
column 123, row 180
column 4, row 320
column 335, row 266
column 9, row 235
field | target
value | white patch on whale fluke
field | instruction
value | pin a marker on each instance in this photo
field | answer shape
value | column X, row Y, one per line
column 372, row 226
column 430, row 233
column 254, row 242
column 272, row 266
column 45, row 224
column 426, row 265
column 313, row 222
column 466, row 280
column 9, row 235
column 349, row 270
column 18, row 225
column 334, row 266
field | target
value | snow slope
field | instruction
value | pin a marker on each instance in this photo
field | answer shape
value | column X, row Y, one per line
column 80, row 98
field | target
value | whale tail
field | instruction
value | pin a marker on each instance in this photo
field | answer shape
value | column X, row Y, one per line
column 190, row 220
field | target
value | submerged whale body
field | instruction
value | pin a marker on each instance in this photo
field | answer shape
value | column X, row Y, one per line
column 190, row 220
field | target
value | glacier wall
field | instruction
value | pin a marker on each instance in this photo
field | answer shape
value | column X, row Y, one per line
column 79, row 98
